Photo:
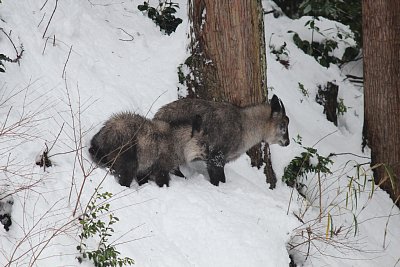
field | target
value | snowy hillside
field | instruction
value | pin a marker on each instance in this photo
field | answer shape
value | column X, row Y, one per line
column 85, row 60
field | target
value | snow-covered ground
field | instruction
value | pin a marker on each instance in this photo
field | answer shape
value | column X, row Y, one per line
column 101, row 57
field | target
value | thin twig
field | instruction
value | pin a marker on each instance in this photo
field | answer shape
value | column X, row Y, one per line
column 58, row 135
column 398, row 261
column 322, row 138
column 126, row 40
column 386, row 226
column 51, row 17
column 40, row 22
column 320, row 196
column 44, row 4
column 9, row 38
column 18, row 54
column 45, row 45
column 290, row 200
column 348, row 153
column 66, row 62
column 268, row 12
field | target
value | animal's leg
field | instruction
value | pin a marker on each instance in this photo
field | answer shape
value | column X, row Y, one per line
column 215, row 167
column 161, row 178
column 143, row 178
column 125, row 166
column 125, row 175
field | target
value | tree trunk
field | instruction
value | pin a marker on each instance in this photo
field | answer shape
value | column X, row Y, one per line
column 381, row 41
column 228, row 55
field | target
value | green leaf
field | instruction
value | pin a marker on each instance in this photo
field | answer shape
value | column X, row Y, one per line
column 169, row 10
column 355, row 225
column 152, row 12
column 142, row 7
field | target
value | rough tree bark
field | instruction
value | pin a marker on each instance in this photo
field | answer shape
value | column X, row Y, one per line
column 228, row 57
column 381, row 42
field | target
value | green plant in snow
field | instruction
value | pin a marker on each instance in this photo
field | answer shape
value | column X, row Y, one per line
column 3, row 58
column 303, row 90
column 162, row 15
column 346, row 12
column 341, row 108
column 308, row 161
column 281, row 54
column 105, row 254
column 320, row 51
column 334, row 10
column 348, row 201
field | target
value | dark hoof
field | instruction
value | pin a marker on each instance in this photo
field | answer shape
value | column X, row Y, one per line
column 162, row 183
column 162, row 179
column 141, row 180
column 214, row 182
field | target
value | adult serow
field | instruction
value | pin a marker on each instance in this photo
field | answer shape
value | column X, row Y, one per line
column 229, row 130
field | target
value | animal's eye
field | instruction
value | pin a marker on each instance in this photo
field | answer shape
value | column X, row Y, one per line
column 282, row 127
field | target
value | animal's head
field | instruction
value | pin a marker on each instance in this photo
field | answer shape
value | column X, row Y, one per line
column 279, row 133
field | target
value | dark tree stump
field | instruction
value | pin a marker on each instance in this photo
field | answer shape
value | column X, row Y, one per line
column 327, row 97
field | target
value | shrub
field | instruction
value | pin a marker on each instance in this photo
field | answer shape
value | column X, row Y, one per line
column 3, row 58
column 105, row 254
column 162, row 15
column 309, row 161
column 346, row 12
column 281, row 54
column 336, row 10
column 320, row 51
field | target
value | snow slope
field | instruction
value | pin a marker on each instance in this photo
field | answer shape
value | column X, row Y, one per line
column 101, row 57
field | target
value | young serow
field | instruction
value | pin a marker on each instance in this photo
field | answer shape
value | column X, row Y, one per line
column 134, row 147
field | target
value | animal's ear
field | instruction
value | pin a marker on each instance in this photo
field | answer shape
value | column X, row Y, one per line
column 275, row 105
column 196, row 124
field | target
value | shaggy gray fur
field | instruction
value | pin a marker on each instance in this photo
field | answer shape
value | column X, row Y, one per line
column 135, row 147
column 231, row 130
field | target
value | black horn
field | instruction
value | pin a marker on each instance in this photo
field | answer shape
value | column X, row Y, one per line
column 275, row 105
column 282, row 107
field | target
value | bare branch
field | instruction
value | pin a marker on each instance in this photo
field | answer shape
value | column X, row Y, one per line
column 51, row 17
column 18, row 54
column 65, row 65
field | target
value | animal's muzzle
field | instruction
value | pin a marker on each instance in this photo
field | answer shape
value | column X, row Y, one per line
column 284, row 142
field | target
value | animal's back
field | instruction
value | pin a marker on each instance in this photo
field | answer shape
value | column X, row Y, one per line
column 221, row 121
